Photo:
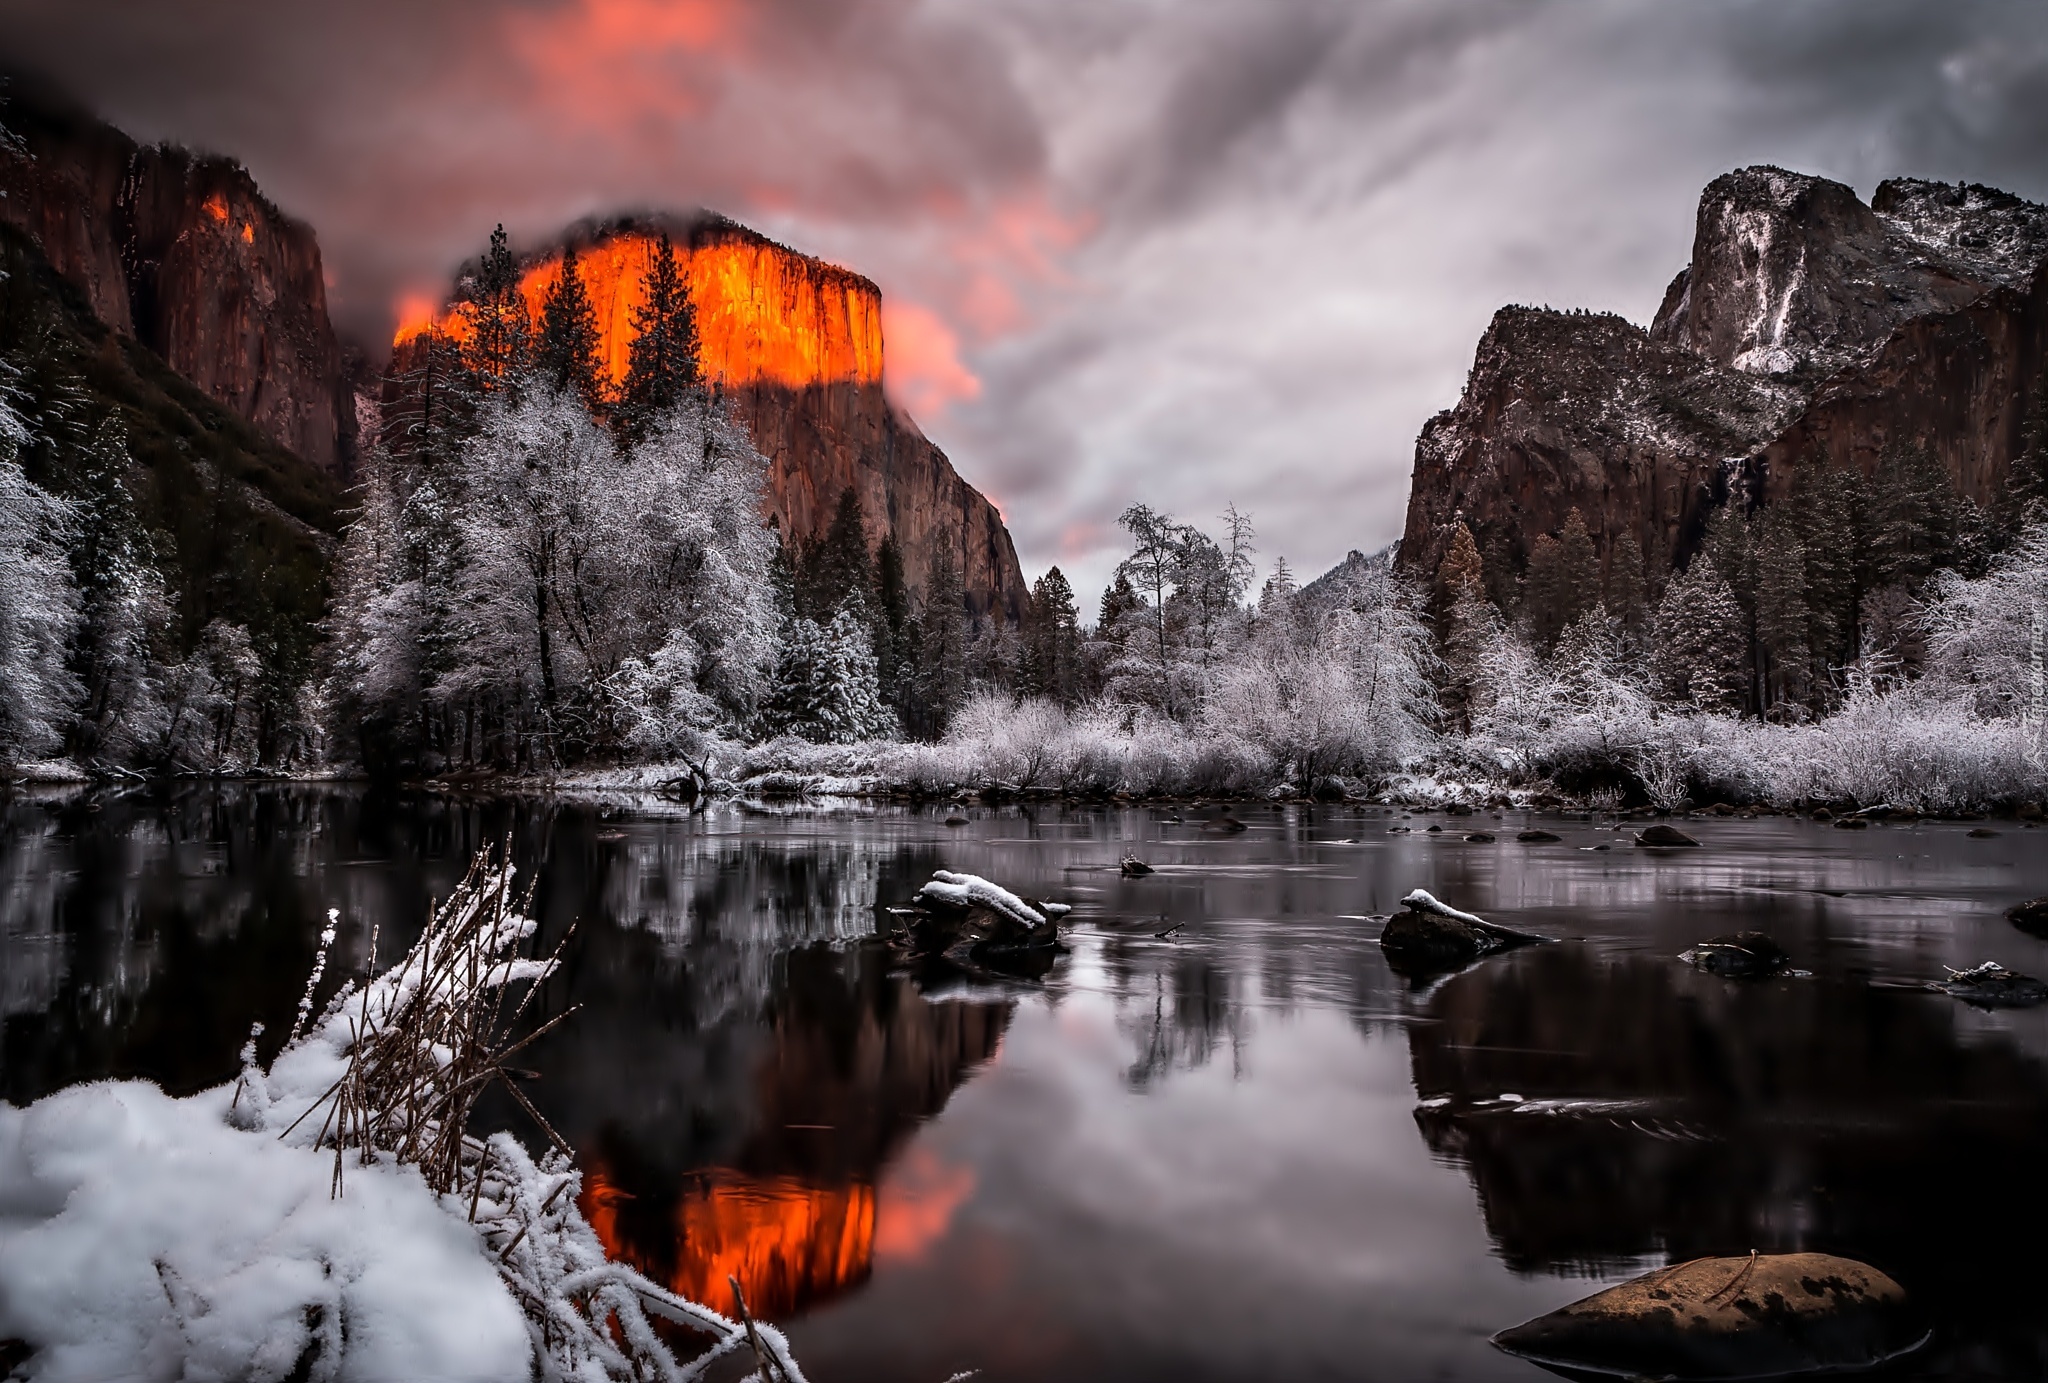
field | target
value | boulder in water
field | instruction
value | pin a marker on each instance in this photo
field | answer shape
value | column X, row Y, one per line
column 1431, row 937
column 1739, row 955
column 1659, row 835
column 1766, row 1315
column 2030, row 917
column 1991, row 985
column 1538, row 837
column 1131, row 867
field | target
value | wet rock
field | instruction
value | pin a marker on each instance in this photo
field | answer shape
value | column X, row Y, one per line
column 1739, row 955
column 1981, row 833
column 2030, row 917
column 1481, row 837
column 1131, row 867
column 1434, row 830
column 956, row 820
column 1991, row 985
column 1766, row 1315
column 1538, row 837
column 1660, row 835
column 1229, row 825
column 1852, row 823
column 1431, row 937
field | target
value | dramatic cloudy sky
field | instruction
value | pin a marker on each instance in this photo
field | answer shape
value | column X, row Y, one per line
column 1184, row 251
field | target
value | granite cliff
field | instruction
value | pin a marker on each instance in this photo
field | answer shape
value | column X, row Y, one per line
column 797, row 344
column 184, row 254
column 1810, row 335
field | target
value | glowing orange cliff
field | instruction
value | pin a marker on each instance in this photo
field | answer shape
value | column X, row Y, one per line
column 797, row 343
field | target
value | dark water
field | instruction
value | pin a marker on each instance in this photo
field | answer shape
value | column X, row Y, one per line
column 1243, row 1150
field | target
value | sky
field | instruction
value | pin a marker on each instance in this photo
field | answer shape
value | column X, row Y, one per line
column 1184, row 252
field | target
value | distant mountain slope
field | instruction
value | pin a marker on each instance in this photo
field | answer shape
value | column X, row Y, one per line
column 1811, row 335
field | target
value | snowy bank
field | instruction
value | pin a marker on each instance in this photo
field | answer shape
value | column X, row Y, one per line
column 333, row 1217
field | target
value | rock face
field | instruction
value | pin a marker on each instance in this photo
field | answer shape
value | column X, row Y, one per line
column 184, row 254
column 797, row 343
column 1809, row 331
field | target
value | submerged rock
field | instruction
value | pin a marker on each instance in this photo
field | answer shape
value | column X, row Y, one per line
column 1981, row 833
column 1226, row 823
column 2030, row 917
column 1739, row 955
column 1991, row 985
column 1762, row 1316
column 1481, row 837
column 956, row 820
column 1431, row 936
column 1659, row 834
column 1538, row 837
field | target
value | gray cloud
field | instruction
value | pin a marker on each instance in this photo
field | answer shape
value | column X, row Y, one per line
column 1195, row 252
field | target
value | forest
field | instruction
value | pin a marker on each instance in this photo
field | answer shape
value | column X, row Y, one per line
column 545, row 574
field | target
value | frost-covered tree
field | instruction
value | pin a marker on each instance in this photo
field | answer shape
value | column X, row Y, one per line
column 1987, row 639
column 826, row 688
column 38, row 603
column 1341, row 687
column 1700, row 640
column 1188, row 611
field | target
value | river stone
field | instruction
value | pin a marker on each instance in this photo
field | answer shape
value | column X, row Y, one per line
column 1657, row 833
column 1538, row 837
column 1765, row 1315
column 1739, row 955
column 2030, row 917
column 1991, row 985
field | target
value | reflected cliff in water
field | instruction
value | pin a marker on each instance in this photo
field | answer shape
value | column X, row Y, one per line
column 1615, row 1112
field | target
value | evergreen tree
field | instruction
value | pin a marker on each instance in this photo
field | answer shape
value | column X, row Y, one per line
column 1625, row 592
column 1563, row 580
column 1821, row 514
column 826, row 684
column 1051, row 659
column 1783, row 619
column 942, row 647
column 1461, row 570
column 565, row 349
column 1731, row 544
column 2025, row 500
column 1908, row 523
column 1699, row 650
column 662, row 364
column 490, row 301
column 892, row 625
column 836, row 572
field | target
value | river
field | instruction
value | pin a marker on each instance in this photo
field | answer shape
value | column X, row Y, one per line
column 1221, row 1139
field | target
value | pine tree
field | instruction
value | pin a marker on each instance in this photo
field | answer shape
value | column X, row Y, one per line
column 1731, row 544
column 565, row 350
column 1783, row 618
column 1699, row 652
column 1625, row 592
column 662, row 363
column 836, row 572
column 1563, row 582
column 2025, row 500
column 892, row 624
column 1821, row 514
column 1460, row 570
column 499, row 336
column 942, row 646
column 1053, row 645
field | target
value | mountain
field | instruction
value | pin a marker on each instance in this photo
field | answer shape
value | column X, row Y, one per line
column 1811, row 340
column 182, row 253
column 797, row 344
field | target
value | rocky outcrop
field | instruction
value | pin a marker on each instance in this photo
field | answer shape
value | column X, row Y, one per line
column 1809, row 331
column 797, row 344
column 185, row 255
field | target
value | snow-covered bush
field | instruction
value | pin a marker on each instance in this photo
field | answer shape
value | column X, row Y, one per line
column 38, row 607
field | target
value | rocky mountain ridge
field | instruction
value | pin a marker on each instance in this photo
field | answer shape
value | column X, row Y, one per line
column 1809, row 333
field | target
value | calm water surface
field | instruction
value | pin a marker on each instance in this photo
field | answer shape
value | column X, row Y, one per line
column 1242, row 1149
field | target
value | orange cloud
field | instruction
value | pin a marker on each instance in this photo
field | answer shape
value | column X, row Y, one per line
column 924, row 372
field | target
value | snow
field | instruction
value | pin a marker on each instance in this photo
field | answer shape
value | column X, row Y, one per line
column 971, row 890
column 146, row 1237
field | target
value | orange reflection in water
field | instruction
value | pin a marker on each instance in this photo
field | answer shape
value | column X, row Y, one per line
column 763, row 312
column 790, row 1244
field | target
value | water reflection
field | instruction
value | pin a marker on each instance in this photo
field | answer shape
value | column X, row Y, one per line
column 1221, row 1108
column 1617, row 1110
